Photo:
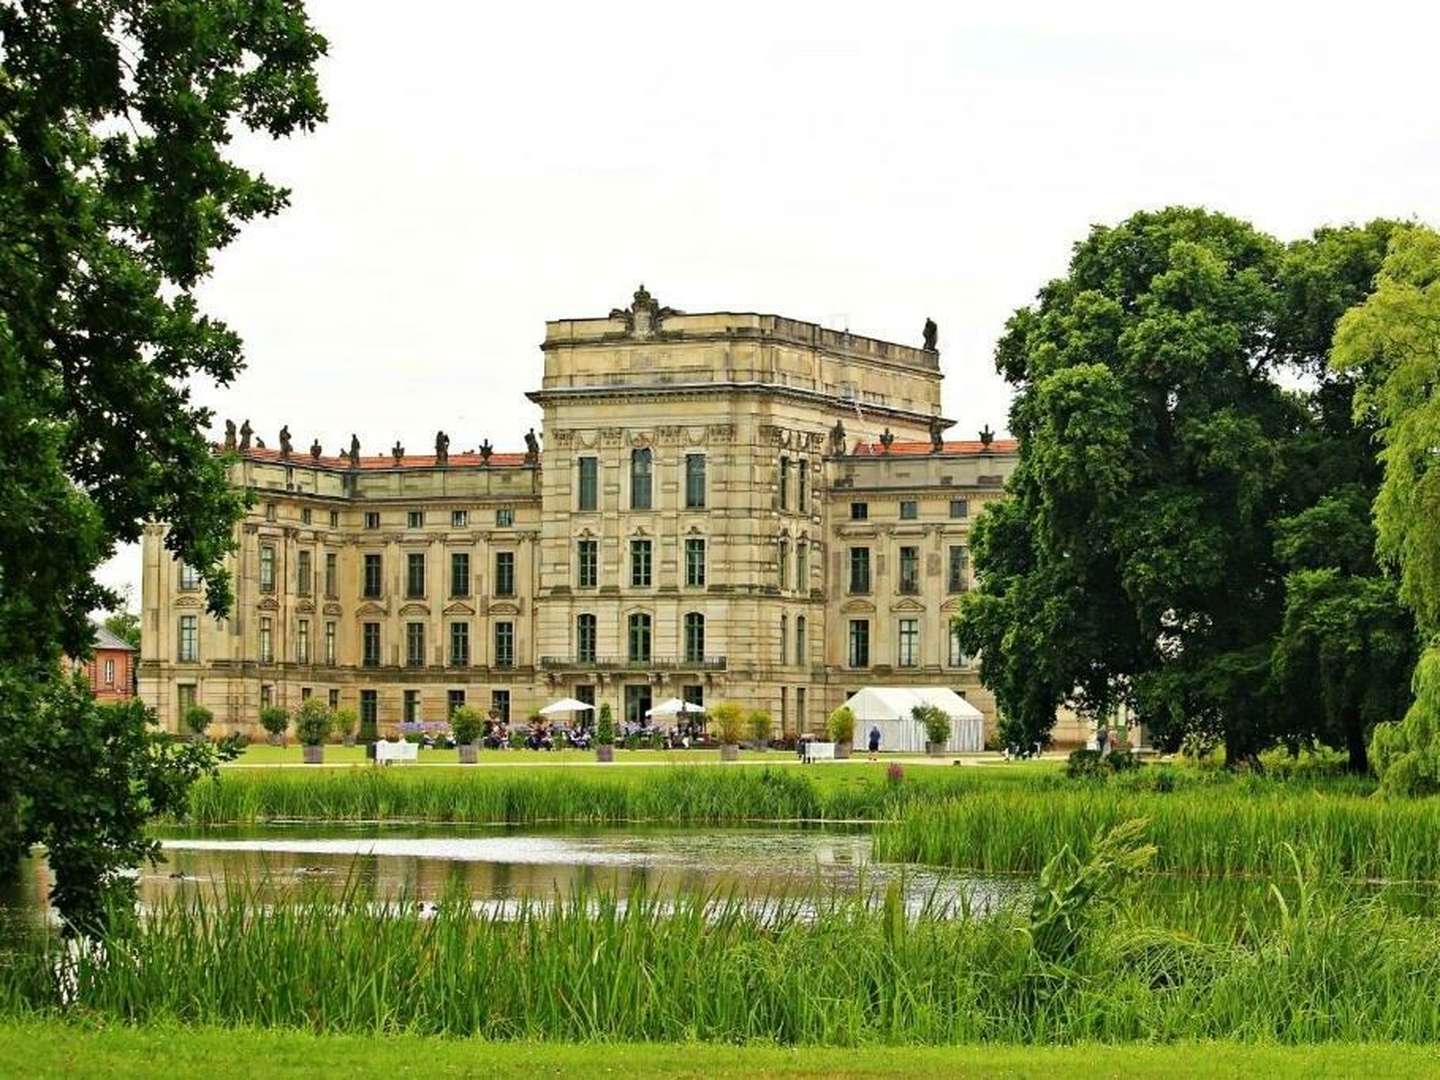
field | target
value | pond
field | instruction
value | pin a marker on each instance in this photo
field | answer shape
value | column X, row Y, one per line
column 501, row 865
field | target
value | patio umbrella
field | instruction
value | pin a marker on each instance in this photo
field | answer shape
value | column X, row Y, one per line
column 566, row 705
column 674, row 707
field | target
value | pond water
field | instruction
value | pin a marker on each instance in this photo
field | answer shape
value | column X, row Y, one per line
column 499, row 866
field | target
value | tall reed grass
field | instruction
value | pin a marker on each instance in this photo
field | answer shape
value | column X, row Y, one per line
column 1206, row 831
column 851, row 972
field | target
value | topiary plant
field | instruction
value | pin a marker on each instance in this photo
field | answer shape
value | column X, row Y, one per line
column 346, row 721
column 605, row 727
column 729, row 721
column 840, row 725
column 274, row 720
column 313, row 722
column 197, row 719
column 466, row 724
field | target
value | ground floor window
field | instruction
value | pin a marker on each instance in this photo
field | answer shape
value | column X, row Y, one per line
column 800, row 721
column 500, row 705
column 305, row 693
column 412, row 706
column 693, row 694
column 585, row 692
column 455, row 699
column 267, row 695
column 334, row 699
column 369, row 714
column 637, row 704
column 186, row 692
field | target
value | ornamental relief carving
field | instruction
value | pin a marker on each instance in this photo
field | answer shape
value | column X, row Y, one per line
column 669, row 435
column 611, row 436
column 563, row 439
column 721, row 433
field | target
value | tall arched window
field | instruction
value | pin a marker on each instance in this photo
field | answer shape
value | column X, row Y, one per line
column 639, row 638
column 694, row 637
column 640, row 477
column 585, row 639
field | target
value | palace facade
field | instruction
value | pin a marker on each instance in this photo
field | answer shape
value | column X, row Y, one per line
column 727, row 506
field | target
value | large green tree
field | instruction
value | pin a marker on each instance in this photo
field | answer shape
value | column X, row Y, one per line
column 1391, row 344
column 115, row 191
column 1172, row 405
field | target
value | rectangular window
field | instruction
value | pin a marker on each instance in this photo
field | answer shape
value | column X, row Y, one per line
column 639, row 638
column 454, row 699
column 637, row 704
column 640, row 477
column 694, row 561
column 267, row 695
column 783, row 562
column 415, row 644
column 693, row 694
column 784, row 639
column 189, row 577
column 302, row 641
column 459, row 573
column 640, row 564
column 585, row 692
column 802, row 568
column 459, row 644
column 504, row 517
column 859, row 643
column 369, row 713
column 334, row 519
column 959, row 508
column 500, row 705
column 859, row 511
column 957, row 656
column 859, row 569
column 415, row 574
column 372, row 519
column 332, row 574
column 694, row 637
column 589, row 468
column 412, row 706
column 957, row 577
column 909, row 653
column 372, row 576
column 784, row 483
column 370, row 638
column 334, row 699
column 267, row 641
column 504, row 573
column 330, row 643
column 694, row 481
column 909, row 510
column 587, row 563
column 504, row 644
column 415, row 519
column 909, row 569
column 303, row 572
column 269, row 511
column 305, row 693
column 305, row 516
column 267, row 569
column 109, row 672
column 801, row 657
column 802, row 495
column 186, row 692
column 585, row 638
column 459, row 519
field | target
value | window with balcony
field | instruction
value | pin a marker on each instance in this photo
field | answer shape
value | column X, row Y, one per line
column 370, row 644
column 694, row 562
column 639, row 638
column 585, row 639
column 694, row 481
column 587, row 564
column 188, row 640
column 641, row 477
column 373, row 584
column 859, row 643
column 640, row 551
column 459, row 644
column 459, row 573
column 267, row 568
column 859, row 569
column 504, row 573
column 909, row 643
column 694, row 637
column 415, row 575
column 504, row 644
column 415, row 644
column 909, row 569
column 589, row 470
column 957, row 578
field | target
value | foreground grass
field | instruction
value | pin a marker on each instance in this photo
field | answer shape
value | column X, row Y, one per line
column 50, row 1050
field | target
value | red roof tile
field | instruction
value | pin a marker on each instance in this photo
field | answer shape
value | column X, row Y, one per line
column 965, row 446
column 387, row 461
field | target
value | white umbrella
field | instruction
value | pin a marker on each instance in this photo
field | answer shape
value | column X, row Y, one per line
column 566, row 705
column 674, row 707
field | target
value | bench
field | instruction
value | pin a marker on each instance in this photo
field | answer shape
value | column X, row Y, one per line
column 386, row 752
column 819, row 751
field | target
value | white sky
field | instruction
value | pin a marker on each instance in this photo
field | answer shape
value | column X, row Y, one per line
column 489, row 166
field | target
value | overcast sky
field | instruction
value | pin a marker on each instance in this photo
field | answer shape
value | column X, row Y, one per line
column 489, row 166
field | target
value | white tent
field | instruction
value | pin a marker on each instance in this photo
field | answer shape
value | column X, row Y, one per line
column 888, row 708
column 566, row 705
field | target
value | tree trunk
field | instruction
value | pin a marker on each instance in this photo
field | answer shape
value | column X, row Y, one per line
column 1355, row 744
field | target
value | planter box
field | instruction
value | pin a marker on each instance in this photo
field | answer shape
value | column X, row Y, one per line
column 842, row 750
column 469, row 753
column 314, row 755
column 605, row 752
column 729, row 752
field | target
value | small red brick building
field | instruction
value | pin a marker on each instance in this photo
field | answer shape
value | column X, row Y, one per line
column 111, row 669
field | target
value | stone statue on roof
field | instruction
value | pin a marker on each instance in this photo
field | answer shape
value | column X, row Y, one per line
column 245, row 432
column 259, row 443
column 532, row 447
column 937, row 435
column 354, row 454
column 886, row 439
column 285, row 446
column 442, row 448
column 932, row 334
column 397, row 451
column 315, row 450
column 229, row 434
column 986, row 436
column 485, row 451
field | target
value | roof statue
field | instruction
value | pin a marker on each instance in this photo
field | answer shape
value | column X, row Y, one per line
column 886, row 439
column 932, row 334
column 354, row 454
column 245, row 432
column 532, row 447
column 315, row 450
column 229, row 434
column 986, row 436
column 644, row 315
column 937, row 435
column 397, row 451
column 442, row 448
column 485, row 451
column 285, row 446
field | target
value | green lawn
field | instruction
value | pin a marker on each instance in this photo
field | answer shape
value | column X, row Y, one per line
column 43, row 1050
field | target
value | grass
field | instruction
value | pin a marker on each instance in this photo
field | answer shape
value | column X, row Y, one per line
column 46, row 1050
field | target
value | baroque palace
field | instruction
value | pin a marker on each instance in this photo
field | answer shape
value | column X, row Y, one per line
column 728, row 506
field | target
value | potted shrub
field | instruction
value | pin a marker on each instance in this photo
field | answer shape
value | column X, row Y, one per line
column 275, row 720
column 761, row 727
column 313, row 724
column 466, row 724
column 937, row 727
column 840, row 726
column 729, row 721
column 605, row 734
column 197, row 718
column 346, row 721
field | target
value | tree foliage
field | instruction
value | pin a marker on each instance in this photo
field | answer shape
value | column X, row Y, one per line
column 115, row 191
column 1163, row 442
